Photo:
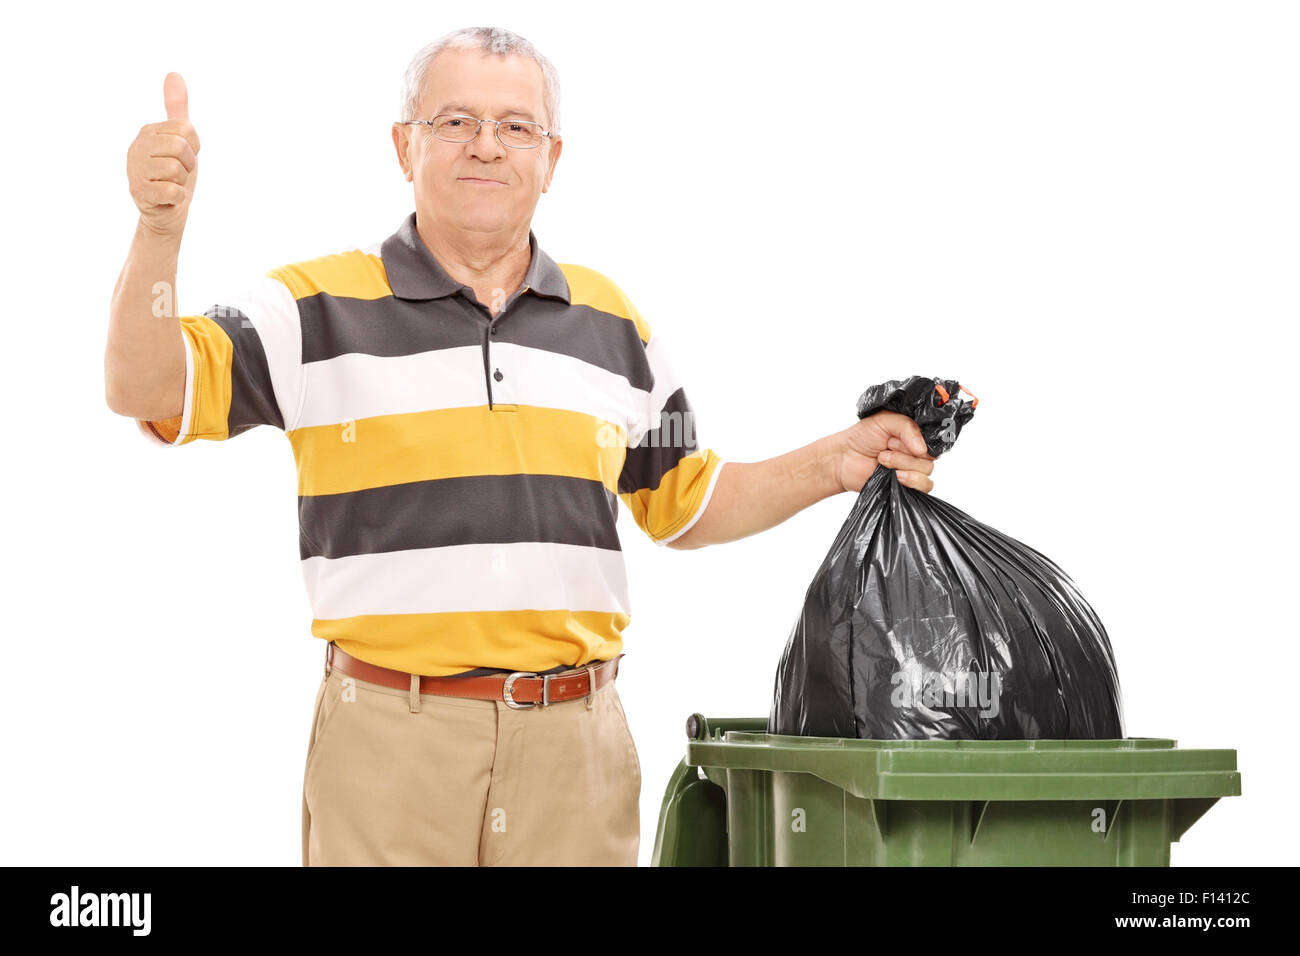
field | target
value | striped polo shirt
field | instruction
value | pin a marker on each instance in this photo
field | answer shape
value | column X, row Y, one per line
column 459, row 473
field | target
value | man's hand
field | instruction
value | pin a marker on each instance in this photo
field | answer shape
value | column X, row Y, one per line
column 162, row 164
column 886, row 438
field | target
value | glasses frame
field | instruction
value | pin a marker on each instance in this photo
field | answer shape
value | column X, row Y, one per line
column 546, row 133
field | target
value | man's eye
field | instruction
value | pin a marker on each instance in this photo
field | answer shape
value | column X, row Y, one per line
column 516, row 127
column 454, row 122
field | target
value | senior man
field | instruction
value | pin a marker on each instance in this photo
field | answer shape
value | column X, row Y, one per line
column 465, row 414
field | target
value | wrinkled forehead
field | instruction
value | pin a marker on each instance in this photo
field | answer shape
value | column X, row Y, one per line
column 489, row 85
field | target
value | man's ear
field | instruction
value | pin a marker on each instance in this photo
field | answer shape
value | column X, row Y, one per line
column 401, row 141
column 556, row 145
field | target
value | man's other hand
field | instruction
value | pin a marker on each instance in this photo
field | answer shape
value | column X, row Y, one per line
column 884, row 438
column 162, row 164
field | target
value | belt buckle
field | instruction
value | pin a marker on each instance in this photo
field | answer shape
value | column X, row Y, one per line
column 507, row 692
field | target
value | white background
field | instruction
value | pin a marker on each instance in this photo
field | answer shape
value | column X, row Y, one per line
column 1087, row 212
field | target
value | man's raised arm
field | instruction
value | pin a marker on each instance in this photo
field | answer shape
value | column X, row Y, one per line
column 144, row 360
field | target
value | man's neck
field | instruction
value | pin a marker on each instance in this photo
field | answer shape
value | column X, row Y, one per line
column 492, row 264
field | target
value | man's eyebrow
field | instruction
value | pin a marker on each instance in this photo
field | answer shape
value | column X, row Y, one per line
column 462, row 108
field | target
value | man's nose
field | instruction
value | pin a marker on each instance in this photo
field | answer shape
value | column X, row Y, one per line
column 486, row 144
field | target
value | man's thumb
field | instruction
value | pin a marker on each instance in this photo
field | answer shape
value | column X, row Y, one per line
column 915, row 440
column 176, row 97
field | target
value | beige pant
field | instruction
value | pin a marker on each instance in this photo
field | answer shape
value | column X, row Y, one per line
column 401, row 779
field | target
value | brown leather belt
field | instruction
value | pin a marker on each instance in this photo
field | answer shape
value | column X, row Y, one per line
column 519, row 690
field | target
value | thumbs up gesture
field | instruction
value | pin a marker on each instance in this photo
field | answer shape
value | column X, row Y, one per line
column 162, row 164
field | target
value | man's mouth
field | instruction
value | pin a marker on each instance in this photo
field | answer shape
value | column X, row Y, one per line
column 482, row 182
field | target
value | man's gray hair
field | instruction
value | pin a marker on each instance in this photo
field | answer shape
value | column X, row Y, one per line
column 489, row 40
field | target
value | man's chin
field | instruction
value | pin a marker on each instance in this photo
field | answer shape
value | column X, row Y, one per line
column 468, row 215
column 479, row 221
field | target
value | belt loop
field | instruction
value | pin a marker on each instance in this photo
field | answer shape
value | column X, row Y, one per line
column 415, row 693
column 591, row 686
column 329, row 658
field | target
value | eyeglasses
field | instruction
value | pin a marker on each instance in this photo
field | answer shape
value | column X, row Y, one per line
column 459, row 128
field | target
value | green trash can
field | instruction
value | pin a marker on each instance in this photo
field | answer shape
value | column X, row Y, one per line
column 743, row 797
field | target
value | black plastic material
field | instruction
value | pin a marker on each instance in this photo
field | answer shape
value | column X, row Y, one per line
column 941, row 419
column 923, row 623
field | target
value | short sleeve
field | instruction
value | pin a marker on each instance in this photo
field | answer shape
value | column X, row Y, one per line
column 667, row 477
column 243, row 367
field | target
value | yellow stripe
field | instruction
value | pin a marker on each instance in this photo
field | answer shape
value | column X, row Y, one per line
column 662, row 511
column 354, row 275
column 457, row 442
column 595, row 290
column 451, row 642
column 214, row 356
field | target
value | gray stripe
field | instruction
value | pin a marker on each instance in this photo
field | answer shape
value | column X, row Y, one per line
column 480, row 509
column 659, row 450
column 252, row 398
column 391, row 327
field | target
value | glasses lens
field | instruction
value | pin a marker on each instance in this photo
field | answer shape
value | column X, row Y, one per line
column 454, row 129
column 520, row 135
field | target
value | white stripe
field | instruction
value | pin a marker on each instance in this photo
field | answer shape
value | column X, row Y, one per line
column 273, row 312
column 708, row 493
column 555, row 380
column 473, row 577
column 355, row 386
column 666, row 380
column 187, row 413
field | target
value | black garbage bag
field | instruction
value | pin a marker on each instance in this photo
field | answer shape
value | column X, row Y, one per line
column 923, row 623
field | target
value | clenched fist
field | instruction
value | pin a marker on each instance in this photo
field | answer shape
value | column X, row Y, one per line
column 162, row 164
column 889, row 439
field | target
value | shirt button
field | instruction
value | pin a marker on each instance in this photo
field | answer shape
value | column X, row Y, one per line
column 494, row 331
column 497, row 375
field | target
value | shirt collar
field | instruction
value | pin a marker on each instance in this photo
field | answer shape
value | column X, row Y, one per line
column 414, row 273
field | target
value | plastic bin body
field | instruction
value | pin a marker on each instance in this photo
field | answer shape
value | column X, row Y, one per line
column 743, row 797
